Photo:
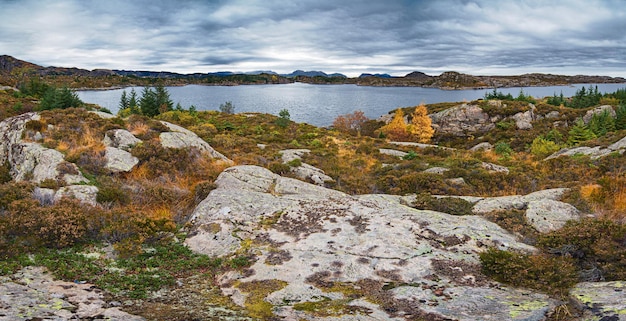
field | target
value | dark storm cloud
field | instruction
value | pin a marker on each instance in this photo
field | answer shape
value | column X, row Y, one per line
column 394, row 36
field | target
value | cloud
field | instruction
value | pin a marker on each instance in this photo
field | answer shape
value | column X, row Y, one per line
column 349, row 36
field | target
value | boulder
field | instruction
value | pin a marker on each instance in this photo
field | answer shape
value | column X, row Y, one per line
column 436, row 170
column 84, row 193
column 420, row 145
column 305, row 171
column 618, row 145
column 102, row 114
column 392, row 152
column 524, row 121
column 118, row 160
column 601, row 300
column 547, row 215
column 494, row 168
column 597, row 111
column 553, row 114
column 120, row 138
column 185, row 139
column 482, row 146
column 310, row 242
column 462, row 120
column 33, row 162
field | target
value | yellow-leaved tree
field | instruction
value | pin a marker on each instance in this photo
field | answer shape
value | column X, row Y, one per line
column 397, row 128
column 420, row 129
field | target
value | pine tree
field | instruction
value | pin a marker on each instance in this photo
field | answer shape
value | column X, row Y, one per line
column 421, row 125
column 163, row 101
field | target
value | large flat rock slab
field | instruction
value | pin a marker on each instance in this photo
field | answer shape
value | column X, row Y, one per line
column 319, row 242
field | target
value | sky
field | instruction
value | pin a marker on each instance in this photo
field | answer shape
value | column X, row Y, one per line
column 351, row 37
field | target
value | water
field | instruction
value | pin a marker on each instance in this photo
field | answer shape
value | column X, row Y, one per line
column 319, row 105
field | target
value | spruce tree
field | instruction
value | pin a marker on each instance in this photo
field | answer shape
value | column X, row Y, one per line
column 123, row 101
column 579, row 133
column 148, row 102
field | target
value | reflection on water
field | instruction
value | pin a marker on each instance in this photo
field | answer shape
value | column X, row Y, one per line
column 320, row 104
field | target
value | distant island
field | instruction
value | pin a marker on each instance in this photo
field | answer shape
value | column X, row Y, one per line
column 13, row 71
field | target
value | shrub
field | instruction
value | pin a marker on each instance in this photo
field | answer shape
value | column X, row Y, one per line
column 579, row 133
column 598, row 245
column 227, row 107
column 449, row 205
column 503, row 149
column 283, row 118
column 542, row 147
column 350, row 123
column 552, row 275
column 279, row 168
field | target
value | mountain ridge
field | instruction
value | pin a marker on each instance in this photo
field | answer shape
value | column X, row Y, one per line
column 12, row 68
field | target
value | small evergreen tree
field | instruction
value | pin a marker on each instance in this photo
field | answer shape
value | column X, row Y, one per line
column 123, row 101
column 602, row 123
column 148, row 102
column 620, row 117
column 579, row 133
column 55, row 98
column 163, row 101
column 227, row 107
column 132, row 102
column 284, row 117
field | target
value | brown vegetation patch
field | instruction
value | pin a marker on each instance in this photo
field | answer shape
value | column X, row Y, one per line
column 278, row 257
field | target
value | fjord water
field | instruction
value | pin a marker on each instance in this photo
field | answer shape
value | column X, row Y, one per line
column 319, row 105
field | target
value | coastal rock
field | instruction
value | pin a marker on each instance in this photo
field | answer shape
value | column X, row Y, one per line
column 120, row 138
column 548, row 215
column 32, row 294
column 462, row 120
column 597, row 111
column 601, row 300
column 118, row 160
column 305, row 171
column 307, row 238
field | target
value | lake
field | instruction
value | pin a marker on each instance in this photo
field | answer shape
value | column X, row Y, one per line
column 319, row 105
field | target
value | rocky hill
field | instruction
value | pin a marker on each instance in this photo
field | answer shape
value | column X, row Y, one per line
column 13, row 70
column 211, row 216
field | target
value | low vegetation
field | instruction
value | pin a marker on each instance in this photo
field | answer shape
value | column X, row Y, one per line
column 131, row 244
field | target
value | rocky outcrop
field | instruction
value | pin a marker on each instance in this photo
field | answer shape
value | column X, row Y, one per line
column 597, row 111
column 84, row 193
column 462, row 120
column 392, row 152
column 482, row 146
column 11, row 132
column 314, row 241
column 180, row 137
column 549, row 215
column 601, row 300
column 32, row 294
column 494, row 168
column 517, row 202
column 33, row 162
column 305, row 171
column 118, row 160
column 594, row 152
column 120, row 138
column 524, row 120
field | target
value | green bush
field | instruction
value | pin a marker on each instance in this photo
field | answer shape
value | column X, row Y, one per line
column 542, row 147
